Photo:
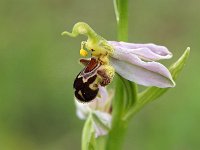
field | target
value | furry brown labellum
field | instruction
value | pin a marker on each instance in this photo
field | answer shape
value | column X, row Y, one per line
column 86, row 84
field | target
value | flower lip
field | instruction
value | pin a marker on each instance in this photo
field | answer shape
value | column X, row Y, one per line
column 85, row 85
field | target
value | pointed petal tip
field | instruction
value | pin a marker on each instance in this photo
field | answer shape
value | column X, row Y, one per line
column 188, row 48
column 173, row 84
column 187, row 51
column 180, row 61
column 185, row 54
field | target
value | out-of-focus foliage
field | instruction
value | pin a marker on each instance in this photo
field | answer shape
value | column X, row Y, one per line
column 38, row 67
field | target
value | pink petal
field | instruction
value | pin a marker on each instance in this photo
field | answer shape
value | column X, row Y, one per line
column 103, row 94
column 103, row 127
column 147, row 52
column 82, row 109
column 131, row 67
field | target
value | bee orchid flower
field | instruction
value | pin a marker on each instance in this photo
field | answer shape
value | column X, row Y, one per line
column 134, row 62
column 101, row 110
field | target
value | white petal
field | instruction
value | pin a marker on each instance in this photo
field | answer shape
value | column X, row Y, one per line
column 82, row 109
column 103, row 124
column 134, row 69
column 103, row 94
column 149, row 52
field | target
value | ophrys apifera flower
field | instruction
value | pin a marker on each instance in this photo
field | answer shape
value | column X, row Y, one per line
column 94, row 74
column 100, row 109
column 134, row 62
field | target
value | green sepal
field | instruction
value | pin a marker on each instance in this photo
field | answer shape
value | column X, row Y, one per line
column 130, row 93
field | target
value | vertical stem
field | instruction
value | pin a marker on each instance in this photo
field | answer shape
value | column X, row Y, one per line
column 117, row 132
column 122, row 20
column 116, row 135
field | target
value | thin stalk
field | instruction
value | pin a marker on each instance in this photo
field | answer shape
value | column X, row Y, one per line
column 122, row 97
column 117, row 132
column 121, row 10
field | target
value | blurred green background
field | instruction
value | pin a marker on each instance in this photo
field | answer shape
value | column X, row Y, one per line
column 38, row 66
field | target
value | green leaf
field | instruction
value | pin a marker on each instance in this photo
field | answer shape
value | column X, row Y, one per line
column 88, row 135
column 131, row 94
column 153, row 93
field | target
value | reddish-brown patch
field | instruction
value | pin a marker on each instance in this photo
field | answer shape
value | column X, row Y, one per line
column 92, row 64
column 85, row 62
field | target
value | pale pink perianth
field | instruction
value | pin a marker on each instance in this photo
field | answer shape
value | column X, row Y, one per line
column 136, row 62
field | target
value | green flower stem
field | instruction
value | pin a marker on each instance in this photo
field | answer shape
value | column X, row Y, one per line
column 121, row 11
column 126, row 92
column 116, row 134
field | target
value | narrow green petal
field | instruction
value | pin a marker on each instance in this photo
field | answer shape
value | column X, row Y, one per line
column 88, row 135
